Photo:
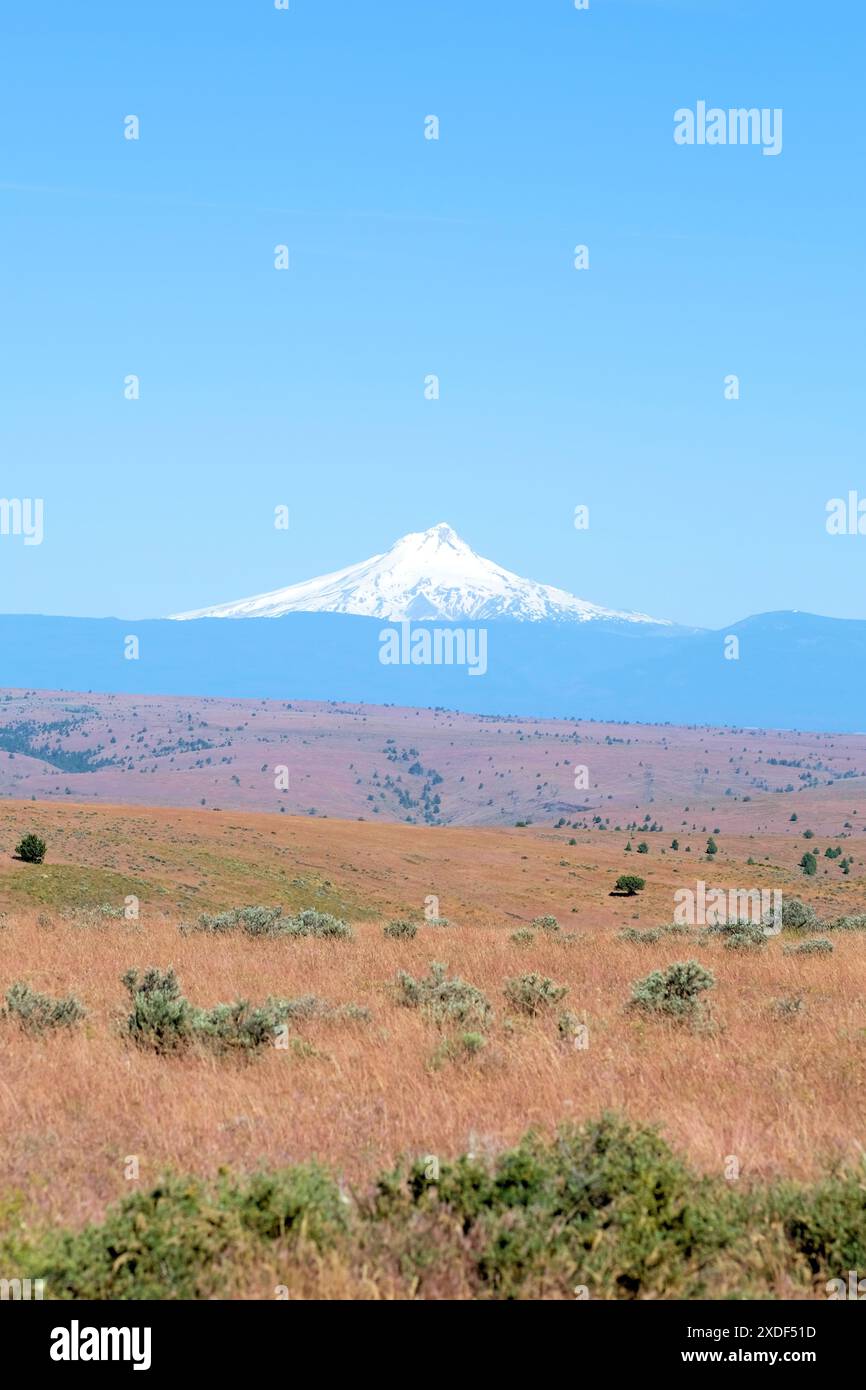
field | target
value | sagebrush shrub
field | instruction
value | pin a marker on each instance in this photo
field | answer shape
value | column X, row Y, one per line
column 165, row 1021
column 675, row 992
column 522, row 937
column 532, row 994
column 545, row 923
column 179, row 1238
column 739, row 935
column 797, row 915
column 446, row 1001
column 270, row 921
column 855, row 923
column 819, row 946
column 641, row 938
column 318, row 924
column 161, row 1018
column 465, row 1047
column 400, row 928
column 38, row 1013
column 606, row 1205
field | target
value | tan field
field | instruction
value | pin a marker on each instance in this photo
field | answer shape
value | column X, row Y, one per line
column 784, row 1096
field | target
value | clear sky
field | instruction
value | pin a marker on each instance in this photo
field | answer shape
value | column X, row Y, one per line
column 408, row 257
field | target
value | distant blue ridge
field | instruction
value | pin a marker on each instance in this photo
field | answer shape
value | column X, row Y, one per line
column 795, row 670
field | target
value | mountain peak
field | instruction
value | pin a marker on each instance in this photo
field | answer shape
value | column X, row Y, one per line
column 430, row 575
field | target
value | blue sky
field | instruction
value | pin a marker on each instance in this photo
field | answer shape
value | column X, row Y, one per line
column 410, row 257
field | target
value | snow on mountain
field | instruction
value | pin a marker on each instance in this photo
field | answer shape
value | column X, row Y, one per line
column 427, row 575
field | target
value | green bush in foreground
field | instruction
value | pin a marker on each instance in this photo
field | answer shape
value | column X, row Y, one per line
column 605, row 1205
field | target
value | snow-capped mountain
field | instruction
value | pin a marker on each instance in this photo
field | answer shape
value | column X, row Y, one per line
column 427, row 575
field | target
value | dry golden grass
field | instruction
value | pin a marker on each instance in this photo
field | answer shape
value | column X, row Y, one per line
column 784, row 1097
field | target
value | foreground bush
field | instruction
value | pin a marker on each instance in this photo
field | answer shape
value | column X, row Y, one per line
column 605, row 1206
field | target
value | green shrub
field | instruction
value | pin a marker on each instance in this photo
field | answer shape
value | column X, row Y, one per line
column 400, row 929
column 532, row 994
column 464, row 1048
column 819, row 946
column 675, row 992
column 32, row 849
column 855, row 923
column 98, row 915
column 176, row 1240
column 161, row 1019
column 319, row 924
column 797, row 915
column 739, row 935
column 629, row 884
column 642, row 938
column 241, row 1026
column 269, row 921
column 522, row 937
column 605, row 1205
column 38, row 1013
column 545, row 923
column 164, row 1021
column 446, row 1001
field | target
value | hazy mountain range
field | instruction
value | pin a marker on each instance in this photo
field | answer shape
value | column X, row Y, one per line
column 546, row 652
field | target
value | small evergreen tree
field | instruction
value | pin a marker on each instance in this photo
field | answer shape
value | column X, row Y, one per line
column 630, row 884
column 31, row 849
